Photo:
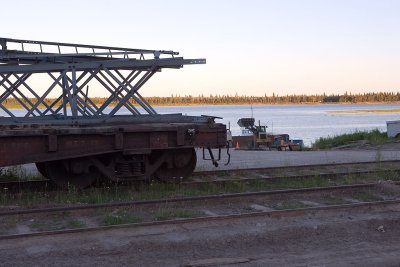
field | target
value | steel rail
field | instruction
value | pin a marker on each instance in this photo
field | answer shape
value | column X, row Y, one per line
column 187, row 199
column 272, row 214
column 45, row 184
column 291, row 177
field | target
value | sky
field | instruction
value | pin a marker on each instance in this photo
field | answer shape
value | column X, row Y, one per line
column 252, row 47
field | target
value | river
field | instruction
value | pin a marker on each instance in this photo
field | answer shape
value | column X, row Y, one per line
column 307, row 122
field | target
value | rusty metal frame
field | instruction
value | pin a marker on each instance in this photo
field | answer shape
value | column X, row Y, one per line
column 121, row 71
column 70, row 124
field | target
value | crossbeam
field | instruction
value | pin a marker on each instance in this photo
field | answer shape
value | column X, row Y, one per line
column 72, row 76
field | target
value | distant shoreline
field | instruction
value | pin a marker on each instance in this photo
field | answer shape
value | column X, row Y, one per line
column 13, row 106
column 225, row 100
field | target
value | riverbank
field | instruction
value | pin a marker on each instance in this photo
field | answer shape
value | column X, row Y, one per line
column 356, row 139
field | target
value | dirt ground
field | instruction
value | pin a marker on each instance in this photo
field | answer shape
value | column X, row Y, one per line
column 346, row 238
column 353, row 238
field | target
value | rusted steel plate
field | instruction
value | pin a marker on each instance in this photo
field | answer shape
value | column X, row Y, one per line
column 45, row 144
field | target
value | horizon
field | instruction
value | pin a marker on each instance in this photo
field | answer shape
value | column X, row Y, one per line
column 252, row 48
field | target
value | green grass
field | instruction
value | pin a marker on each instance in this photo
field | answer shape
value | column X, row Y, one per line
column 373, row 137
column 330, row 199
column 366, row 196
column 166, row 214
column 56, row 221
column 122, row 217
column 115, row 193
column 72, row 224
column 289, row 204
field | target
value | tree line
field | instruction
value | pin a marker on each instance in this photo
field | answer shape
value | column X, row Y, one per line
column 275, row 99
column 383, row 97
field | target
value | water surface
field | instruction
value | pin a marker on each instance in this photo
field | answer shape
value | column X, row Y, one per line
column 308, row 122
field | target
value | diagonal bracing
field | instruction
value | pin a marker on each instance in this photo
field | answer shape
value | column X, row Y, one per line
column 71, row 70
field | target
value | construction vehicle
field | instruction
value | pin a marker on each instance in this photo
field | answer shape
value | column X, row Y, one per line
column 261, row 139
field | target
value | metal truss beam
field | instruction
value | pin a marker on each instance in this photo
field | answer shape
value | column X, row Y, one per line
column 114, row 64
column 117, row 70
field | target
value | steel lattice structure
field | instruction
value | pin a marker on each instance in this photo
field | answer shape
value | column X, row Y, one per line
column 70, row 67
column 75, row 139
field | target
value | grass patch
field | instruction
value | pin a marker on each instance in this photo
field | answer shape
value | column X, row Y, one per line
column 73, row 224
column 289, row 204
column 116, row 193
column 373, row 137
column 57, row 221
column 167, row 214
column 120, row 218
column 315, row 181
column 329, row 199
column 366, row 196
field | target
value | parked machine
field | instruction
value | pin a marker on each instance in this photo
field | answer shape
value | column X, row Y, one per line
column 261, row 139
column 57, row 124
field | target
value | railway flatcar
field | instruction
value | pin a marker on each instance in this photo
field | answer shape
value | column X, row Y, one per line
column 57, row 123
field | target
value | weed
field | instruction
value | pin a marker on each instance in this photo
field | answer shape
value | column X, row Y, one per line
column 235, row 186
column 120, row 218
column 329, row 199
column 366, row 196
column 378, row 157
column 290, row 204
column 165, row 214
column 373, row 137
column 56, row 221
column 116, row 193
column 72, row 224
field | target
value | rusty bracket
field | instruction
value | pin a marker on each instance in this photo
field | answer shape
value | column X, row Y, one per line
column 229, row 154
column 212, row 158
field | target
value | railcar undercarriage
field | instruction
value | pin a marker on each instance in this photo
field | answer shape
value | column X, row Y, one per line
column 74, row 140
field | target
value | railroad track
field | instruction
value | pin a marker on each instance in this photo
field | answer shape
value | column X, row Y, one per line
column 187, row 199
column 194, row 202
column 47, row 185
column 273, row 213
column 293, row 177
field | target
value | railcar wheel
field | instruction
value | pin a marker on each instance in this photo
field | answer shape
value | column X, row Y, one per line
column 179, row 164
column 79, row 172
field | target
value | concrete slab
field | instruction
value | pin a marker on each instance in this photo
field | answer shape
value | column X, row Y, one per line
column 263, row 159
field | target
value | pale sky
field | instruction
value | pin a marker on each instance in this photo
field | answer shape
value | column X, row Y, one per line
column 252, row 47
